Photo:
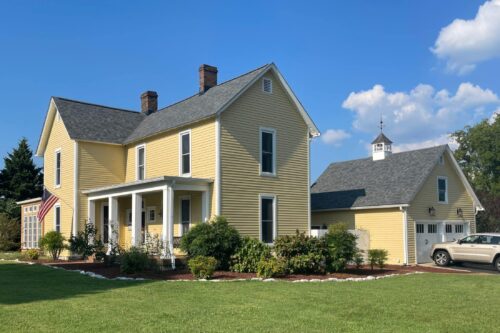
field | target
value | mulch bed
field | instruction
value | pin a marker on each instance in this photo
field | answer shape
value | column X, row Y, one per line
column 184, row 274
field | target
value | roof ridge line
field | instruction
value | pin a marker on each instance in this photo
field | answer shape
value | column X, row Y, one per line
column 95, row 104
column 401, row 152
column 227, row 81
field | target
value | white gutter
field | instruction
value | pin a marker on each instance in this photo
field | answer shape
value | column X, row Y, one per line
column 308, row 184
column 362, row 208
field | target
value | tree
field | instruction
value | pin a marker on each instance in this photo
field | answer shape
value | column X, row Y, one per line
column 20, row 179
column 478, row 154
column 9, row 233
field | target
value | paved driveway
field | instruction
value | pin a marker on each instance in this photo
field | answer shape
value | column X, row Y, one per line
column 469, row 268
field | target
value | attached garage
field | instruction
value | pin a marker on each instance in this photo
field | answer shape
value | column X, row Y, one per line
column 406, row 202
column 428, row 233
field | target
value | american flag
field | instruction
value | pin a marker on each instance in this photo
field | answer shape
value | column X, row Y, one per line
column 48, row 200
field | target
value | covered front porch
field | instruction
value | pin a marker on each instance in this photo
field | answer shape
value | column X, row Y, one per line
column 160, row 209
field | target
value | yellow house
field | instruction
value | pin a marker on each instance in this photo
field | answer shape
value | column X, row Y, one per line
column 404, row 202
column 239, row 149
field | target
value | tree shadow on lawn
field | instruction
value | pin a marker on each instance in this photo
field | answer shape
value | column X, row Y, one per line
column 22, row 283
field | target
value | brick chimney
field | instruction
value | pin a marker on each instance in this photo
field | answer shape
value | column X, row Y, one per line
column 208, row 77
column 149, row 102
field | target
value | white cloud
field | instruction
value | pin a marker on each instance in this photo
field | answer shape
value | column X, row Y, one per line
column 334, row 137
column 422, row 116
column 494, row 116
column 464, row 43
column 440, row 140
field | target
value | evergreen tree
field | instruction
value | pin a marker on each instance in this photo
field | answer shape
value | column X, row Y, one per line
column 20, row 179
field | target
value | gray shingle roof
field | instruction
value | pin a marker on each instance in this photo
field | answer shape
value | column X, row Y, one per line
column 91, row 122
column 365, row 183
column 381, row 138
column 194, row 108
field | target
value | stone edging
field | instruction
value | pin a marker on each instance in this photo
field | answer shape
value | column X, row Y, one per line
column 124, row 278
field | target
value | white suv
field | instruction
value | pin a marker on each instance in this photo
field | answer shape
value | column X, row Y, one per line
column 477, row 248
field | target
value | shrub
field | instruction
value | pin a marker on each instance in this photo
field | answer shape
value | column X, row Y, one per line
column 134, row 260
column 306, row 264
column 377, row 257
column 301, row 253
column 269, row 268
column 31, row 254
column 202, row 267
column 341, row 247
column 249, row 254
column 358, row 259
column 153, row 244
column 53, row 242
column 85, row 242
column 214, row 239
column 9, row 233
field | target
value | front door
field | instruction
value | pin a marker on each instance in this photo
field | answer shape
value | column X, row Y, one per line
column 185, row 214
column 105, row 224
column 427, row 235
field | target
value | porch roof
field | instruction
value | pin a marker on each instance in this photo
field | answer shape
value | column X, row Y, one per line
column 150, row 182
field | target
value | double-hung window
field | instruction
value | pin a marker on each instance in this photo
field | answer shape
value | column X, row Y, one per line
column 442, row 189
column 57, row 218
column 185, row 153
column 141, row 162
column 57, row 177
column 267, row 151
column 267, row 218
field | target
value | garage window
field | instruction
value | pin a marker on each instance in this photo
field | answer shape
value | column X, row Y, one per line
column 432, row 228
column 449, row 228
column 459, row 228
column 420, row 228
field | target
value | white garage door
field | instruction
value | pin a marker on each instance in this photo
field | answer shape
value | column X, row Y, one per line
column 429, row 233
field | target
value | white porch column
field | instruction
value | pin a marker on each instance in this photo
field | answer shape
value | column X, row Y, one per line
column 170, row 223
column 91, row 215
column 112, row 222
column 136, row 219
column 204, row 206
column 164, row 216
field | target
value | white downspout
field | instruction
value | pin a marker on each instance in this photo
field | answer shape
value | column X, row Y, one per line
column 405, row 234
column 75, row 189
column 217, row 167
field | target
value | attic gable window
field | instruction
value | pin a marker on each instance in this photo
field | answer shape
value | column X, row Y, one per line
column 442, row 189
column 267, row 85
column 140, row 162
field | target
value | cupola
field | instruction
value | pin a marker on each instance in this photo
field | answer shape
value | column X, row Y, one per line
column 381, row 146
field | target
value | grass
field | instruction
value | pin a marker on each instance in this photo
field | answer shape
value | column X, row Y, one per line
column 10, row 255
column 40, row 299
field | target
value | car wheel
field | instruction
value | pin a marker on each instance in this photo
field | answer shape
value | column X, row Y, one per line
column 441, row 258
column 497, row 263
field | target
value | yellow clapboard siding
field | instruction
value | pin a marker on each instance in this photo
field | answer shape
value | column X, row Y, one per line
column 99, row 165
column 241, row 182
column 427, row 197
column 59, row 139
column 162, row 154
column 385, row 227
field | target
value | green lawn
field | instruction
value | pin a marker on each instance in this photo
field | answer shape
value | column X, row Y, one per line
column 40, row 299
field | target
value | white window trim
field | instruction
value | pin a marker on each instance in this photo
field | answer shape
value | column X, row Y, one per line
column 263, row 85
column 273, row 132
column 181, row 198
column 55, row 216
column 143, row 145
column 57, row 151
column 275, row 214
column 446, row 193
column 148, row 210
column 186, row 132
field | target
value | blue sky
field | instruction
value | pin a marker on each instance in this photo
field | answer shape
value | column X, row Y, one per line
column 424, row 65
